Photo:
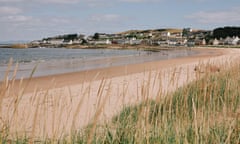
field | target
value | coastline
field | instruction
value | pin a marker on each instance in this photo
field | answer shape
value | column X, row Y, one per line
column 65, row 79
column 51, row 61
column 56, row 104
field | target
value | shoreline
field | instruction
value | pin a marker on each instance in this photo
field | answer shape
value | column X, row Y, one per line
column 81, row 60
column 93, row 46
column 65, row 79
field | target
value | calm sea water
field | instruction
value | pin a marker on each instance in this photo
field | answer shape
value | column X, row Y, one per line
column 59, row 60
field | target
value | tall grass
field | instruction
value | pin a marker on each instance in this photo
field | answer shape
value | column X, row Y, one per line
column 204, row 111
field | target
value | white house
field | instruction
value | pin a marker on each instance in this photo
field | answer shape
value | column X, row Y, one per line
column 68, row 42
column 150, row 35
column 166, row 34
column 228, row 41
column 172, row 42
column 162, row 42
column 78, row 41
column 56, row 41
column 107, row 41
column 215, row 42
column 235, row 40
column 36, row 42
column 204, row 42
column 135, row 42
column 119, row 41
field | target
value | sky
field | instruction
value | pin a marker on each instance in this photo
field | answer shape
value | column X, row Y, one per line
column 37, row 19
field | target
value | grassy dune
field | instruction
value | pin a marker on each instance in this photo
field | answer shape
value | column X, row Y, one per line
column 204, row 111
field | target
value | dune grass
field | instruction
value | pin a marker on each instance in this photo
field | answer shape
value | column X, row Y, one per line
column 204, row 111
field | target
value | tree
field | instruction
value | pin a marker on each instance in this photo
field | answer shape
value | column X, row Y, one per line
column 186, row 32
column 70, row 36
column 226, row 31
column 96, row 36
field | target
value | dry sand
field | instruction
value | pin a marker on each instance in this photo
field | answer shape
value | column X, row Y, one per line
column 55, row 105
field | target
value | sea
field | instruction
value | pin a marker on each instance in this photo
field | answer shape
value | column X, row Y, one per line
column 38, row 62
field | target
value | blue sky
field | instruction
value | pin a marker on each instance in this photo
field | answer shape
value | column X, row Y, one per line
column 36, row 19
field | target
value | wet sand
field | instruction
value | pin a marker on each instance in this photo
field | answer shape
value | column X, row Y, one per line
column 73, row 78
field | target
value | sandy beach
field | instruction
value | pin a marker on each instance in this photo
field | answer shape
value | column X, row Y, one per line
column 73, row 78
column 52, row 106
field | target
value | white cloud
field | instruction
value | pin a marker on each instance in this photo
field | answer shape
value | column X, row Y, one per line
column 60, row 20
column 107, row 23
column 61, row 1
column 5, row 10
column 87, row 2
column 27, row 27
column 105, row 18
column 11, row 1
column 207, row 17
column 42, row 1
column 139, row 1
column 18, row 18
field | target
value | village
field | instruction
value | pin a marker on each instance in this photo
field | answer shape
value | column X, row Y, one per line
column 156, row 37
